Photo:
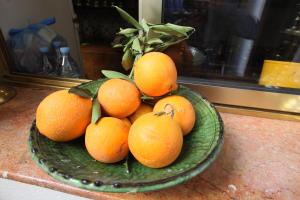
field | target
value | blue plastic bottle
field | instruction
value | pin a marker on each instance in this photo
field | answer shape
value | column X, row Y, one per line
column 68, row 66
column 47, row 67
column 57, row 56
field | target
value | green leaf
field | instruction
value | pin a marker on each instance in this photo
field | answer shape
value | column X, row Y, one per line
column 114, row 74
column 166, row 44
column 96, row 111
column 127, row 59
column 181, row 29
column 154, row 41
column 150, row 24
column 128, row 44
column 81, row 92
column 92, row 86
column 145, row 25
column 117, row 40
column 127, row 31
column 163, row 33
column 165, row 30
column 136, row 45
column 128, row 18
column 142, row 38
column 117, row 45
column 148, row 49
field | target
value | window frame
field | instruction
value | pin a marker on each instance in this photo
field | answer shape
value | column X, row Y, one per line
column 227, row 98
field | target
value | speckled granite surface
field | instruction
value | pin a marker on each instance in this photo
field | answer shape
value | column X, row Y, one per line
column 260, row 158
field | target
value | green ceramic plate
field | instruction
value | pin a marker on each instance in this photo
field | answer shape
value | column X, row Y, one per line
column 70, row 163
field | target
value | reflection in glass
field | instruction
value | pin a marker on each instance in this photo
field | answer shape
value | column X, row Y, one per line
column 87, row 27
column 47, row 67
column 234, row 38
column 97, row 28
column 68, row 67
column 30, row 27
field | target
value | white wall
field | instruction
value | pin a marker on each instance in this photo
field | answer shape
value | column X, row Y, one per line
column 150, row 10
column 12, row 190
column 19, row 13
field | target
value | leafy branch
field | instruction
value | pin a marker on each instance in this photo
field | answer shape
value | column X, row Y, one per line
column 89, row 90
column 145, row 37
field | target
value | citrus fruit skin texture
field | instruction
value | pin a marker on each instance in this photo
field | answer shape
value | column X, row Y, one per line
column 155, row 74
column 63, row 116
column 106, row 141
column 119, row 98
column 184, row 113
column 155, row 141
column 126, row 121
column 142, row 109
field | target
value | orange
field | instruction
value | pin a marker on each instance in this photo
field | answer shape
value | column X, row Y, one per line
column 184, row 113
column 106, row 141
column 63, row 116
column 126, row 121
column 155, row 74
column 155, row 141
column 119, row 98
column 143, row 109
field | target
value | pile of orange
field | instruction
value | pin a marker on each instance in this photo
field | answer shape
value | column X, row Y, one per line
column 154, row 135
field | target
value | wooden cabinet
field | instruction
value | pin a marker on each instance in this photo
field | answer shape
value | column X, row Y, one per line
column 99, row 57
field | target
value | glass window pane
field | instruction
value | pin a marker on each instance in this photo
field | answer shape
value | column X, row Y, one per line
column 98, row 24
column 251, row 41
column 36, row 32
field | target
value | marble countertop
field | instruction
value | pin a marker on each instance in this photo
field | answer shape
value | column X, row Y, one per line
column 260, row 158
